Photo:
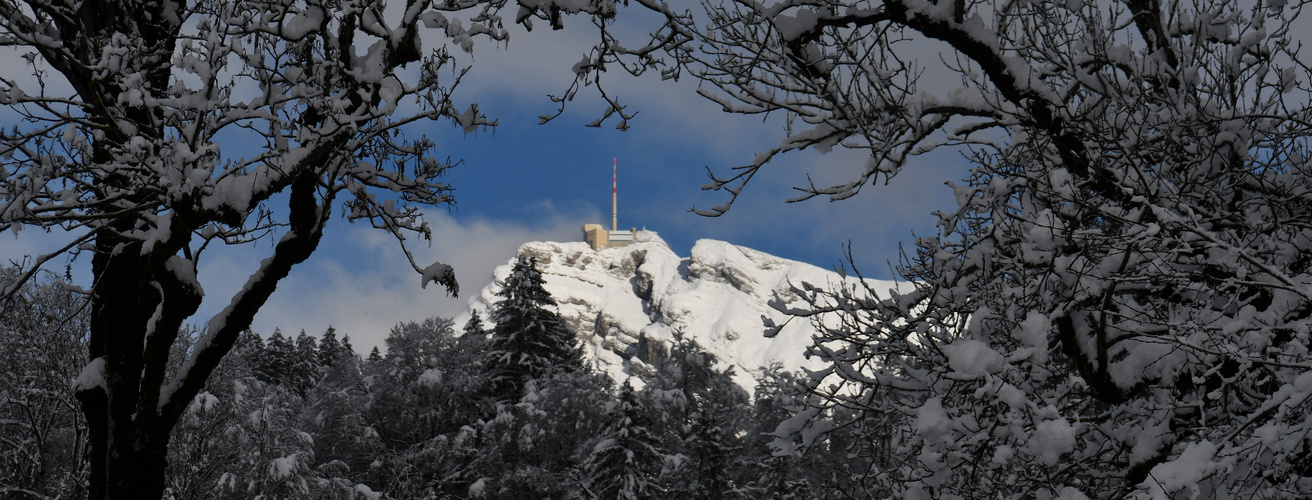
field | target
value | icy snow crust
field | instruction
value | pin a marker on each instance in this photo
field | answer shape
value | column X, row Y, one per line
column 623, row 302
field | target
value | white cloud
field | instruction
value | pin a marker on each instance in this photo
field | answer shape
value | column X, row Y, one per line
column 358, row 280
column 360, row 283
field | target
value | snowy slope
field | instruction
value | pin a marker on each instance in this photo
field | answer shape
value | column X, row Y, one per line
column 621, row 301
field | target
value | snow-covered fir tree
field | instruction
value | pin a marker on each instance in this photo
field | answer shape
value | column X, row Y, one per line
column 783, row 476
column 528, row 340
column 330, row 348
column 533, row 446
column 626, row 463
column 418, row 424
column 474, row 327
column 710, row 451
column 245, row 437
column 700, row 416
column 304, row 372
column 347, row 348
column 276, row 359
column 429, row 383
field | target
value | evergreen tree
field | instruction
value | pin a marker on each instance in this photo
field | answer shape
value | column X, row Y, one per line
column 689, row 369
column 707, row 413
column 777, row 479
column 250, row 346
column 330, row 349
column 307, row 345
column 626, row 462
column 335, row 415
column 304, row 372
column 349, row 349
column 783, row 477
column 375, row 356
column 245, row 438
column 534, row 448
column 529, row 339
column 711, row 449
column 474, row 327
column 275, row 364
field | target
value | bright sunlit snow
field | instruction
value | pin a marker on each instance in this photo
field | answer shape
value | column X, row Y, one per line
column 622, row 300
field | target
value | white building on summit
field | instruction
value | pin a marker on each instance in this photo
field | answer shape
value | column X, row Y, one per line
column 596, row 235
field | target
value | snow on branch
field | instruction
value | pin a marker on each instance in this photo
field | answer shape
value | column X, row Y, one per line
column 1120, row 298
column 145, row 134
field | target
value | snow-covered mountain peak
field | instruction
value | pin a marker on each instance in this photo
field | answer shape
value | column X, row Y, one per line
column 623, row 302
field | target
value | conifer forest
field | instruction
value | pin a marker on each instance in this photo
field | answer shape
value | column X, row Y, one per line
column 451, row 411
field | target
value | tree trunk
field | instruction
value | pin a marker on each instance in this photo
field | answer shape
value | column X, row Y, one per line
column 128, row 447
column 137, row 468
column 130, row 422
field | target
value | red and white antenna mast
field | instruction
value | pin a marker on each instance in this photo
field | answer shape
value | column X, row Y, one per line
column 614, row 194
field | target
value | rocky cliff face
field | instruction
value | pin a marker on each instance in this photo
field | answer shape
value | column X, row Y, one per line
column 624, row 302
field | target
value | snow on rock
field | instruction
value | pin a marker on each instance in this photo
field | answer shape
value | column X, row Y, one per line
column 624, row 302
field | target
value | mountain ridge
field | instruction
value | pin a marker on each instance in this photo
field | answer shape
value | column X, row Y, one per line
column 622, row 302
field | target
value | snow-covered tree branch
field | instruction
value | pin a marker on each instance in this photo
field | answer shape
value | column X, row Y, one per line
column 1119, row 305
column 147, row 131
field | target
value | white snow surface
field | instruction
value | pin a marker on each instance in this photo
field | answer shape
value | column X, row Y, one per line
column 283, row 466
column 932, row 421
column 621, row 301
column 973, row 358
column 92, row 376
column 1052, row 439
column 1185, row 472
column 478, row 489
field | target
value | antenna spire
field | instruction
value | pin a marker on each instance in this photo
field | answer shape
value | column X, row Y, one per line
column 614, row 194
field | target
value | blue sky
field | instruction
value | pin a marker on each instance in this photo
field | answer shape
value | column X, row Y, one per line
column 523, row 181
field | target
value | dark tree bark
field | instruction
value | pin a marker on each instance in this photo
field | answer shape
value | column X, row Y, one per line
column 129, row 166
column 129, row 429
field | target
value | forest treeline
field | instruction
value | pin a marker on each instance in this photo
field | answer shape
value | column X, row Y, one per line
column 506, row 411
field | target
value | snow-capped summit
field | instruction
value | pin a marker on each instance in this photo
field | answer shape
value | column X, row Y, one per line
column 623, row 301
